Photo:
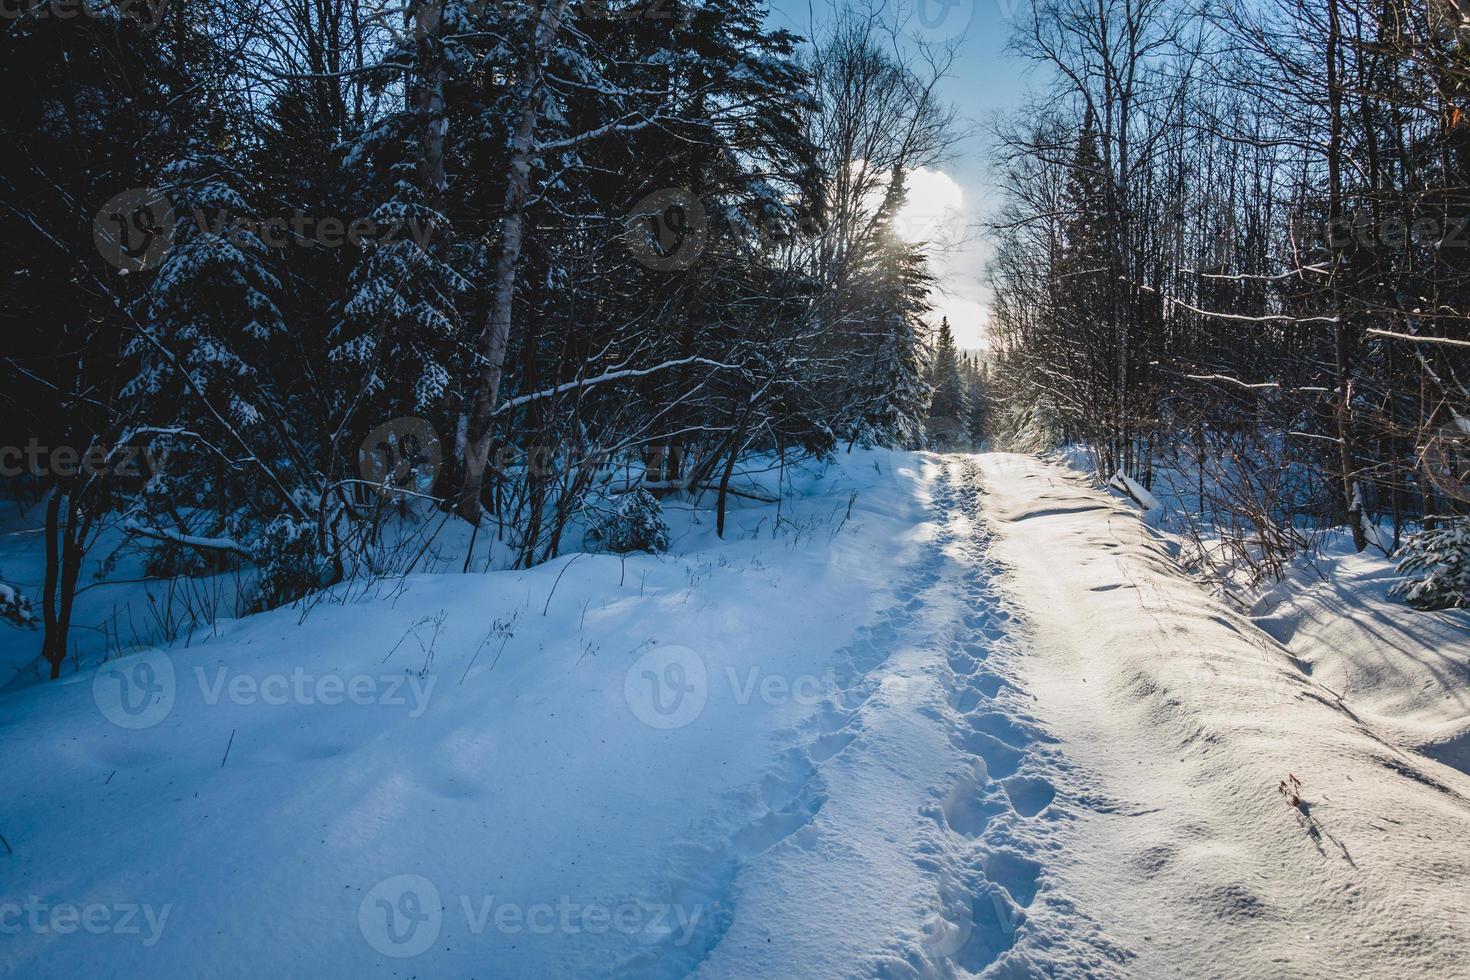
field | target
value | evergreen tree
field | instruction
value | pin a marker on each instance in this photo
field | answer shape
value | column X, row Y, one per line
column 950, row 395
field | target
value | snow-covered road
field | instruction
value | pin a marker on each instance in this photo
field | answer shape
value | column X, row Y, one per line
column 919, row 837
column 934, row 717
column 1181, row 722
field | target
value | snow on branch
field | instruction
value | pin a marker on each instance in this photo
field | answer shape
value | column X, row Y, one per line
column 1443, row 341
column 1123, row 482
column 1253, row 385
column 187, row 540
column 1242, row 318
column 618, row 375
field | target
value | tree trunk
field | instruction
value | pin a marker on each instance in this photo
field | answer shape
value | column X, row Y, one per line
column 735, row 448
column 428, row 33
column 1352, row 498
column 495, row 338
column 48, row 592
column 65, row 548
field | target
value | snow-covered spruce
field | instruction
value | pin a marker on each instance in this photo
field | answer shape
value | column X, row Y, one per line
column 636, row 523
column 15, row 607
column 1437, row 563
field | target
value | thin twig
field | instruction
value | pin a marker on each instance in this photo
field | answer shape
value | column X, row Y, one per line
column 558, row 581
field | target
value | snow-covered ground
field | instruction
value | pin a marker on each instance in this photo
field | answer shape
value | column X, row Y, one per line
column 1180, row 723
column 931, row 717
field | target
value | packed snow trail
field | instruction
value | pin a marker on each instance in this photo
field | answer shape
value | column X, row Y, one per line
column 902, row 832
column 928, row 717
column 1183, row 724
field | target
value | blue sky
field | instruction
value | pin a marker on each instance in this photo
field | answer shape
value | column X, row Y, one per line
column 984, row 79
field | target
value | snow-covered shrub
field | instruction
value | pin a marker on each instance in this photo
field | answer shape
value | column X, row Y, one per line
column 290, row 563
column 636, row 523
column 15, row 608
column 1027, row 427
column 1437, row 563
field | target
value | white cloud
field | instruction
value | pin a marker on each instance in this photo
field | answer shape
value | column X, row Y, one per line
column 934, row 210
column 940, row 214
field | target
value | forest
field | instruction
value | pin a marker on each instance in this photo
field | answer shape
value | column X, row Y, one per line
column 1234, row 244
column 281, row 269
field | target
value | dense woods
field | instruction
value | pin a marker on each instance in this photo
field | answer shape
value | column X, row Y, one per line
column 512, row 261
column 1234, row 243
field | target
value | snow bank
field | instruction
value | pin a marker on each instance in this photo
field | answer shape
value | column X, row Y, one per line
column 1182, row 721
column 554, row 772
column 1405, row 673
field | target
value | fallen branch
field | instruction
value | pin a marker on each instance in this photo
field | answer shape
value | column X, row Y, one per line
column 188, row 540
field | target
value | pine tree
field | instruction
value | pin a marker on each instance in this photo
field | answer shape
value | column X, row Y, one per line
column 894, row 291
column 950, row 397
column 204, row 351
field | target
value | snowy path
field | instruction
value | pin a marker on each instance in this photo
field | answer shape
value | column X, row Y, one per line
column 911, row 801
column 947, row 716
column 1180, row 719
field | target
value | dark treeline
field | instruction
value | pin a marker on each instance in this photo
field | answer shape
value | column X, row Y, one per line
column 1235, row 238
column 251, row 242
